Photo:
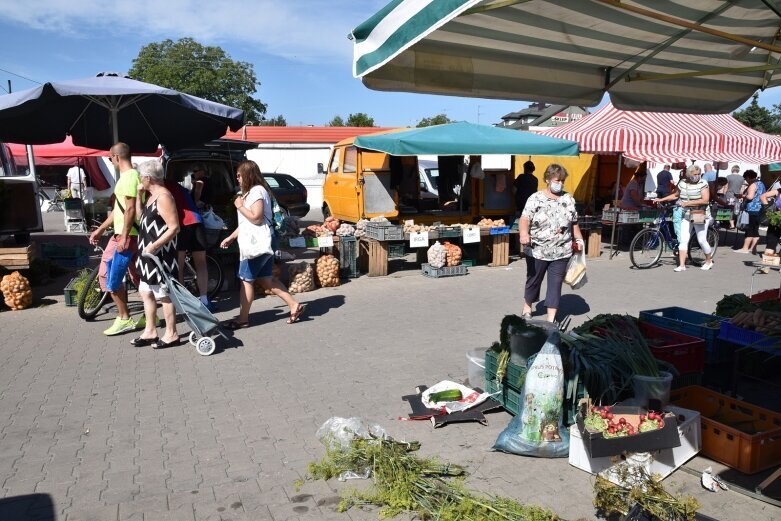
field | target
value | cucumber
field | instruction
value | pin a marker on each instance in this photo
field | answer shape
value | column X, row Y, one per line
column 450, row 395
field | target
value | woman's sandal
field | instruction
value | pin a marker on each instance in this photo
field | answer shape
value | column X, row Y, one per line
column 162, row 344
column 296, row 315
column 233, row 325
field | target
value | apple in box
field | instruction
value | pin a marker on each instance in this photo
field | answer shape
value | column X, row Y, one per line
column 609, row 431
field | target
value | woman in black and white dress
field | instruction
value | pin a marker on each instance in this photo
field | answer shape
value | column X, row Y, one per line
column 156, row 235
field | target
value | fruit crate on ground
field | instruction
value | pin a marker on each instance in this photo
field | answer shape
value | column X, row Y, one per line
column 445, row 271
column 687, row 322
column 738, row 434
column 384, row 231
column 686, row 353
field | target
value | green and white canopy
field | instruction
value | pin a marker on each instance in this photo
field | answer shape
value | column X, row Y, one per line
column 693, row 56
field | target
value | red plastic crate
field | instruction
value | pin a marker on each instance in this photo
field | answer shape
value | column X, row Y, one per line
column 762, row 296
column 686, row 353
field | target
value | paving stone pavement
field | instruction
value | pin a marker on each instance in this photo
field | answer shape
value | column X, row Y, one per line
column 92, row 428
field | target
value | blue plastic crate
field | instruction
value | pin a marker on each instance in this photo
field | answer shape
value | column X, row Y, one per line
column 686, row 321
column 746, row 337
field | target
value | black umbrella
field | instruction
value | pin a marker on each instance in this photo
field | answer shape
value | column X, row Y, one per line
column 98, row 112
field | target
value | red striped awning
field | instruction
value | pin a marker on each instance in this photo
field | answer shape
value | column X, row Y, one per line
column 661, row 137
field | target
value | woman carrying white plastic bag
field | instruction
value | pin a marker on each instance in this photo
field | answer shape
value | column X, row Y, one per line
column 576, row 269
column 256, row 245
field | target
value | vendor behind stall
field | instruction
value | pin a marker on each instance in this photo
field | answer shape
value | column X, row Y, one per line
column 634, row 193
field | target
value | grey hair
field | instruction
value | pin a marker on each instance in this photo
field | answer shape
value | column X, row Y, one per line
column 555, row 170
column 153, row 169
column 694, row 169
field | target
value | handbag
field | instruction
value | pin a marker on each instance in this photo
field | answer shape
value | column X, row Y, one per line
column 742, row 219
column 254, row 240
column 697, row 216
column 212, row 221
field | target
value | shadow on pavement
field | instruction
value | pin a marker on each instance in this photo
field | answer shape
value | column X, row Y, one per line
column 30, row 507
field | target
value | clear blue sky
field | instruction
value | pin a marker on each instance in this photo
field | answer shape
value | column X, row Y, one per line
column 299, row 49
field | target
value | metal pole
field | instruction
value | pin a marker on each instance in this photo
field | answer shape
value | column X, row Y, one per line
column 615, row 218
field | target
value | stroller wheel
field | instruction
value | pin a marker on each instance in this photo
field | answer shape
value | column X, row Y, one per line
column 205, row 346
column 193, row 338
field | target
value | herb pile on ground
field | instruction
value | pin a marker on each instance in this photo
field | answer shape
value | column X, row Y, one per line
column 403, row 482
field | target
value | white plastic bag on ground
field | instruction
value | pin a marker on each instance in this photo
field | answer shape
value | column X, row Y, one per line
column 537, row 430
column 339, row 432
column 469, row 397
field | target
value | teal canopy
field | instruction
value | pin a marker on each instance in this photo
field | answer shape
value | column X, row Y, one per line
column 464, row 138
column 774, row 167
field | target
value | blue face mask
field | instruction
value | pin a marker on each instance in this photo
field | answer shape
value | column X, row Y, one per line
column 556, row 186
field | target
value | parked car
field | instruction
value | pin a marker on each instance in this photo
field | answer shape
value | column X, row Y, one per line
column 221, row 157
column 290, row 193
column 20, row 213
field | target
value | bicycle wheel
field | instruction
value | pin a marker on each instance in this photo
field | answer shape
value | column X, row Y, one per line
column 214, row 273
column 92, row 298
column 215, row 276
column 646, row 248
column 696, row 255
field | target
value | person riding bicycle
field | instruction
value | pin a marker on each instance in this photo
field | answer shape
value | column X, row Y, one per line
column 692, row 210
column 120, row 253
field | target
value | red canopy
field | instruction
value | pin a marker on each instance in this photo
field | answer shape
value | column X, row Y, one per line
column 68, row 154
column 661, row 137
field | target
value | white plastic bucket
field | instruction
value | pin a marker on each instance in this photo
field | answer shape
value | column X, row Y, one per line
column 475, row 367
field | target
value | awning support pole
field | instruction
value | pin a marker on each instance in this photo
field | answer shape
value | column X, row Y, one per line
column 615, row 216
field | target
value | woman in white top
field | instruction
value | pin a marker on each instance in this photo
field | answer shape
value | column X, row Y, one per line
column 254, row 205
column 693, row 195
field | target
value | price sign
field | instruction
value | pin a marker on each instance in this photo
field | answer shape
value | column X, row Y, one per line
column 298, row 242
column 471, row 234
column 418, row 239
column 325, row 242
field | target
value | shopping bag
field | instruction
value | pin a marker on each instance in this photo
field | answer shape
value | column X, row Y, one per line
column 742, row 219
column 254, row 240
column 576, row 270
column 117, row 268
column 212, row 221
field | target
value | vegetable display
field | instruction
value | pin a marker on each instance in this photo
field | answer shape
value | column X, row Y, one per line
column 411, row 227
column 485, row 222
column 437, row 255
column 327, row 270
column 301, row 277
column 345, row 230
column 16, row 291
column 360, row 228
column 453, row 254
column 601, row 419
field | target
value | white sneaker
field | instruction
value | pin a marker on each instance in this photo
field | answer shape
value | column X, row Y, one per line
column 706, row 266
column 680, row 268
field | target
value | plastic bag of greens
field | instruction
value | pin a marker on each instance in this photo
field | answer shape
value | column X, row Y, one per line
column 537, row 430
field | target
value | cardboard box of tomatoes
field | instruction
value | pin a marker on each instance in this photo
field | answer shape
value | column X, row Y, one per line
column 612, row 430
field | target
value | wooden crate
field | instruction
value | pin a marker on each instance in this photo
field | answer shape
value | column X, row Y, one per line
column 594, row 242
column 375, row 254
column 17, row 257
column 501, row 250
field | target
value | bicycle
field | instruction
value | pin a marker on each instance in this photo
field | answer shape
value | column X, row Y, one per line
column 648, row 245
column 93, row 298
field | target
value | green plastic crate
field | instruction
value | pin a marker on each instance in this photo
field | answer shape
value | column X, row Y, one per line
column 723, row 214
column 514, row 377
column 396, row 250
column 70, row 293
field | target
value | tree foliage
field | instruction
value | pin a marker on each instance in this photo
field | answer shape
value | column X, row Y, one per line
column 337, row 121
column 359, row 119
column 278, row 121
column 760, row 118
column 203, row 71
column 439, row 119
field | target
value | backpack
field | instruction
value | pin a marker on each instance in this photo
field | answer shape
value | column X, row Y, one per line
column 278, row 221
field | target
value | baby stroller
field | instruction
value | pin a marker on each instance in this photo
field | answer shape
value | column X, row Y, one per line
column 204, row 325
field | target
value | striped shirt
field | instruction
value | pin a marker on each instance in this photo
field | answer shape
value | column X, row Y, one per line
column 693, row 191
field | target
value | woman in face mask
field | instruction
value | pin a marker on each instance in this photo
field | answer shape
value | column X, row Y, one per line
column 693, row 195
column 548, row 225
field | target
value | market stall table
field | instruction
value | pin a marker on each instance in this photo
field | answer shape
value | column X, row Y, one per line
column 494, row 248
